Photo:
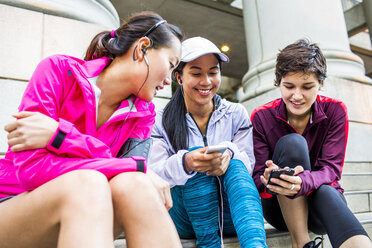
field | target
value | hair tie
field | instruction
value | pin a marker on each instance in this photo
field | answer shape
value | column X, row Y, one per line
column 113, row 33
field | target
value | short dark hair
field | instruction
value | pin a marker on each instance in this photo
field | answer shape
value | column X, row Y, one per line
column 104, row 45
column 301, row 56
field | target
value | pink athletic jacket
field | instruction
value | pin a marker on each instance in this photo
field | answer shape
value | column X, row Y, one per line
column 59, row 88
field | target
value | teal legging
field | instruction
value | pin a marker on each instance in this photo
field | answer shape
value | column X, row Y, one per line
column 195, row 208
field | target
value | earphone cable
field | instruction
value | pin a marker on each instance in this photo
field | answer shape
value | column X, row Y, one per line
column 131, row 107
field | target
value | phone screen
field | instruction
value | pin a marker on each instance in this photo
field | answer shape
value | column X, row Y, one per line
column 276, row 174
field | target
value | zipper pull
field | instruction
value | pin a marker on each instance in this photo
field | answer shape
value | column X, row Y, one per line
column 205, row 140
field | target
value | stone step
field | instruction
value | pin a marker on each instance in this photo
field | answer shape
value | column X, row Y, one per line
column 359, row 167
column 359, row 201
column 356, row 181
column 275, row 238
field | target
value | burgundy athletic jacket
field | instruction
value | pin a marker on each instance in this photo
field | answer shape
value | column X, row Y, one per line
column 326, row 136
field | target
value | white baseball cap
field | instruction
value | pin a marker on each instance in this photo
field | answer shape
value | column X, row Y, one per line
column 196, row 47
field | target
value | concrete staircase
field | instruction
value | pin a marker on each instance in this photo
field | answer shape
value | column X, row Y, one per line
column 357, row 182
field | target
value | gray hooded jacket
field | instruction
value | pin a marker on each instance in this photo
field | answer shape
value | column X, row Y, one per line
column 229, row 124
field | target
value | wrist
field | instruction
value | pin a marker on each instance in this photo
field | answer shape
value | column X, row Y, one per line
column 185, row 167
column 231, row 152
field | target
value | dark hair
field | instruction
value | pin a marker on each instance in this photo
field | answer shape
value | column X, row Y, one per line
column 103, row 45
column 174, row 121
column 300, row 57
column 174, row 115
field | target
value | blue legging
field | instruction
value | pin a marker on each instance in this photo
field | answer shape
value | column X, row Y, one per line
column 195, row 208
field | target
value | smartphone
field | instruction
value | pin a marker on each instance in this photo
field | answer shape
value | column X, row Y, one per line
column 217, row 148
column 276, row 174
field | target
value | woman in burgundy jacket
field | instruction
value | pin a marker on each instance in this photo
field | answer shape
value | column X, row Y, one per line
column 308, row 133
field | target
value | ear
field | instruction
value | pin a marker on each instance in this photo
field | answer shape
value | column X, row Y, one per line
column 141, row 47
column 178, row 77
column 321, row 84
column 144, row 44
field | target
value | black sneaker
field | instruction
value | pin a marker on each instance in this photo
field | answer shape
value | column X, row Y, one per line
column 314, row 244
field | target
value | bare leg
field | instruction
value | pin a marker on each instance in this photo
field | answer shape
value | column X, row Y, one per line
column 139, row 211
column 295, row 214
column 356, row 242
column 73, row 210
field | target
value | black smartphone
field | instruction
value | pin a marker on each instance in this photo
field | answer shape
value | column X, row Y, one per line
column 276, row 174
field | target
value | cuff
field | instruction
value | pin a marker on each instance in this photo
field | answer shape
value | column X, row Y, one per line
column 184, row 166
column 141, row 163
column 64, row 127
column 231, row 153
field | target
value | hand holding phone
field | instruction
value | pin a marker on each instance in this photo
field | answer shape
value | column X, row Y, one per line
column 276, row 174
column 216, row 148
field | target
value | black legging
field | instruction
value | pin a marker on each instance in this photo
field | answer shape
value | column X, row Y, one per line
column 328, row 211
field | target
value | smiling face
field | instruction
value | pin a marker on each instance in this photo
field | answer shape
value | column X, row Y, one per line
column 201, row 78
column 161, row 62
column 299, row 92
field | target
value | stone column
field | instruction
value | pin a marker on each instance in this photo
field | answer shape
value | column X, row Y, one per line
column 367, row 7
column 270, row 25
column 34, row 29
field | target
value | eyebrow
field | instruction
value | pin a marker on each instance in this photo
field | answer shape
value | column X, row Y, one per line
column 199, row 68
column 285, row 82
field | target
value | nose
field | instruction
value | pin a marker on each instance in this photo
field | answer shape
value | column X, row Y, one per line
column 297, row 94
column 167, row 81
column 205, row 80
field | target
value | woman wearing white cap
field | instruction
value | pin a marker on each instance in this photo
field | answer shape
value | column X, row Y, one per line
column 213, row 193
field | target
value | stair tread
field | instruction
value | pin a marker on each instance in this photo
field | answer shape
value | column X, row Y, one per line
column 271, row 232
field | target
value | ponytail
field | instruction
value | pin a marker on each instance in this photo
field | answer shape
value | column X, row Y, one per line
column 105, row 44
column 97, row 47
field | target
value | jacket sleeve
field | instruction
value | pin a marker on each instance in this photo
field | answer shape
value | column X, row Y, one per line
column 67, row 140
column 163, row 161
column 242, row 142
column 261, row 153
column 44, row 94
column 328, row 166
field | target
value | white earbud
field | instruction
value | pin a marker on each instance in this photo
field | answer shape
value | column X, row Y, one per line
column 146, row 61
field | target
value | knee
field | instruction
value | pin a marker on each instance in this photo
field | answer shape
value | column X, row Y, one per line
column 292, row 139
column 200, row 186
column 131, row 185
column 323, row 192
column 292, row 150
column 86, row 189
column 237, row 169
column 327, row 193
column 293, row 143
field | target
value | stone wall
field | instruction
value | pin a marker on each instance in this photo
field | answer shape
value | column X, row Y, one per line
column 31, row 33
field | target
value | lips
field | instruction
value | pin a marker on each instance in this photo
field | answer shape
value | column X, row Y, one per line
column 296, row 104
column 157, row 88
column 204, row 92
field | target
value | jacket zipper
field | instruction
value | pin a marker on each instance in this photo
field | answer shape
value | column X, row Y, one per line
column 305, row 130
column 204, row 136
column 287, row 123
column 219, row 185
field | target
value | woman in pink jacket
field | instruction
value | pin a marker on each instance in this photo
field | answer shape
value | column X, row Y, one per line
column 68, row 189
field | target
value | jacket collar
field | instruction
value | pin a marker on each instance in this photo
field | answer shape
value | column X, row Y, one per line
column 317, row 111
column 83, row 70
column 219, row 110
column 90, row 68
